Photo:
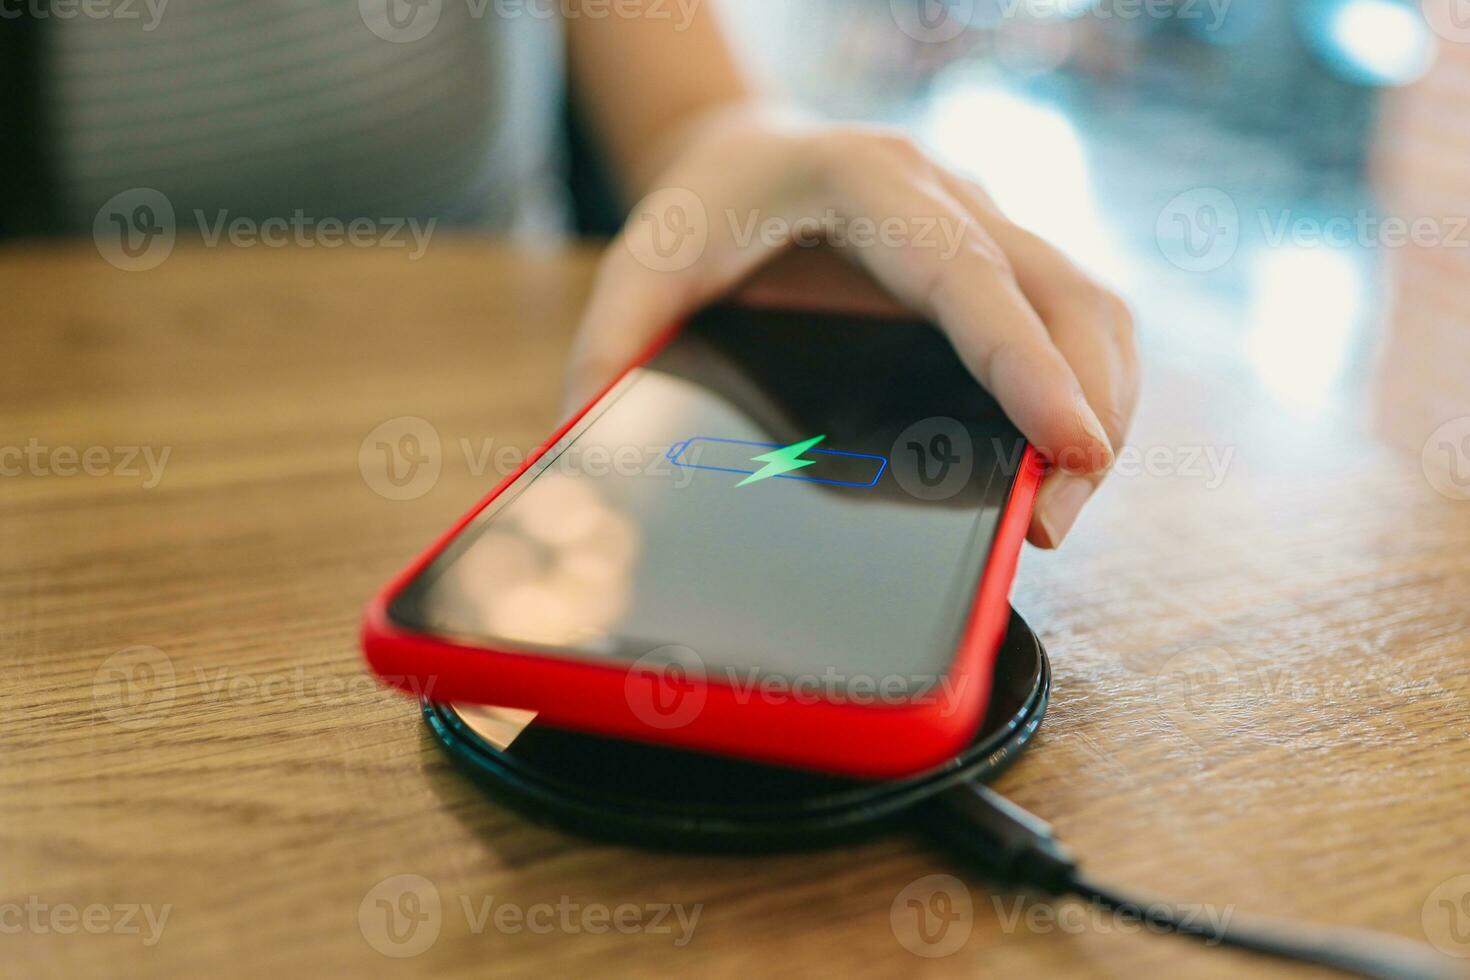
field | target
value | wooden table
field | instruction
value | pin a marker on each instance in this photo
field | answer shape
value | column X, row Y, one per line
column 1261, row 693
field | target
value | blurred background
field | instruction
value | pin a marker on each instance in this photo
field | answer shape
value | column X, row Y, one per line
column 1270, row 182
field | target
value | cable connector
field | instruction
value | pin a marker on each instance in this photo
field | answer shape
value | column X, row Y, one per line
column 1006, row 844
column 1015, row 849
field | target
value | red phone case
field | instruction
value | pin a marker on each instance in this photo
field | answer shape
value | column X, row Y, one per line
column 856, row 739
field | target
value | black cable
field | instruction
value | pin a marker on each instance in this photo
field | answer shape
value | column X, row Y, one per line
column 1016, row 849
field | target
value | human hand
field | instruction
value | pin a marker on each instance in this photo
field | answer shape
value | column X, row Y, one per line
column 1053, row 347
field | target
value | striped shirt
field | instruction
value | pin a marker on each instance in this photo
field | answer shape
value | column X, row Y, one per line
column 264, row 108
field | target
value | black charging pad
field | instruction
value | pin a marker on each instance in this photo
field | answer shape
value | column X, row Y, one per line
column 672, row 798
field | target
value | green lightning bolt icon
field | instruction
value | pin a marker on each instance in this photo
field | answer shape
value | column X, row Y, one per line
column 782, row 460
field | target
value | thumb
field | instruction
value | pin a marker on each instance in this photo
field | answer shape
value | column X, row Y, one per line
column 664, row 264
column 628, row 308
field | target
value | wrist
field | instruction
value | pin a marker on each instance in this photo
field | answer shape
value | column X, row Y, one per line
column 740, row 127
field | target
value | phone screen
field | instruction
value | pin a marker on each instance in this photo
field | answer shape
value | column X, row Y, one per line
column 783, row 493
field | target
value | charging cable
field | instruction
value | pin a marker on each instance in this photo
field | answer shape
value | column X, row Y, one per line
column 1013, row 848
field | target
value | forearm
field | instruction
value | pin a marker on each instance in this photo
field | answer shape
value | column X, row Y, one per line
column 645, row 81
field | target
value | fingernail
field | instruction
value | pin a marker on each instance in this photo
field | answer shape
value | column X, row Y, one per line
column 571, row 404
column 1059, row 503
column 574, row 393
column 1094, row 428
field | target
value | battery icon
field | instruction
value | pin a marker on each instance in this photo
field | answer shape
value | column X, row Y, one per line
column 830, row 466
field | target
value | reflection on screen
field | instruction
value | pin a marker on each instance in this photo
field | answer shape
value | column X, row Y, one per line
column 779, row 492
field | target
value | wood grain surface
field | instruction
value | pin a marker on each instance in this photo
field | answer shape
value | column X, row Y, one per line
column 1262, row 692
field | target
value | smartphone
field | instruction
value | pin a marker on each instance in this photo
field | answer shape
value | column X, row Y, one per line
column 785, row 536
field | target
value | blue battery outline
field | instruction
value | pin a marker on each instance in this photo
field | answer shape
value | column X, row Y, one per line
column 677, row 450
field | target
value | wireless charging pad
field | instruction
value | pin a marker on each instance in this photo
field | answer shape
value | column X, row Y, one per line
column 662, row 797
